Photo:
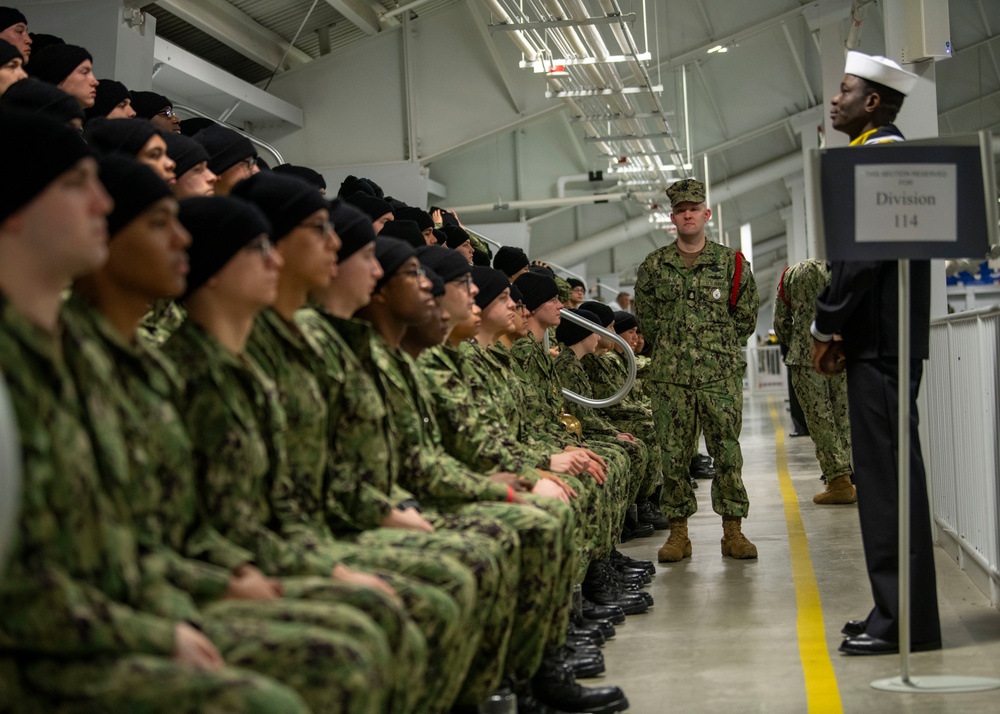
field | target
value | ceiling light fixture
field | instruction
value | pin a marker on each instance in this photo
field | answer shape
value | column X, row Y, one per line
column 718, row 48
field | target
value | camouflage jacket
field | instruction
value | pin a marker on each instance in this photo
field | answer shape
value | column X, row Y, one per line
column 143, row 451
column 473, row 426
column 543, row 398
column 363, row 460
column 795, row 308
column 161, row 321
column 607, row 373
column 237, row 427
column 574, row 378
column 433, row 476
column 685, row 314
column 73, row 583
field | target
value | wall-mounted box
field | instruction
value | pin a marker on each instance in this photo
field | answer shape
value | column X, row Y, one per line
column 928, row 30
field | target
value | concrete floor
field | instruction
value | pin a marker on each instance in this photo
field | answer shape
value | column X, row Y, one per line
column 722, row 636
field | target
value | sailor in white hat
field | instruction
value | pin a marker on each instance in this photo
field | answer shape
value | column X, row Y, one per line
column 860, row 305
column 871, row 95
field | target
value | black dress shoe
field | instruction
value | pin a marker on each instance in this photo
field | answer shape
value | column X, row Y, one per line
column 584, row 663
column 622, row 559
column 867, row 645
column 853, row 628
column 585, row 635
column 643, row 530
column 580, row 622
column 630, row 603
column 555, row 685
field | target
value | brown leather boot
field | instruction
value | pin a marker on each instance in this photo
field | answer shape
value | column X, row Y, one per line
column 838, row 490
column 734, row 543
column 678, row 545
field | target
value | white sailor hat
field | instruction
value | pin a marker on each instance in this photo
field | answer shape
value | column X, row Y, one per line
column 880, row 70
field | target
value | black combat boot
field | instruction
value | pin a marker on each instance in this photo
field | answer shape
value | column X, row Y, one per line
column 555, row 685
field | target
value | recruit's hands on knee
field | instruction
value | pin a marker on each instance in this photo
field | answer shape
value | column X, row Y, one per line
column 344, row 574
column 574, row 463
column 570, row 491
column 407, row 519
column 551, row 489
column 512, row 481
column 624, row 436
column 249, row 583
column 191, row 647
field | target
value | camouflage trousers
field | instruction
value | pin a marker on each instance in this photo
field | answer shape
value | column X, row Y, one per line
column 543, row 591
column 137, row 684
column 679, row 411
column 438, row 593
column 332, row 671
column 645, row 431
column 622, row 486
column 824, row 404
column 484, row 632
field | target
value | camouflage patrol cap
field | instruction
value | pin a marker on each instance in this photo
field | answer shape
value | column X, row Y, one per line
column 690, row 190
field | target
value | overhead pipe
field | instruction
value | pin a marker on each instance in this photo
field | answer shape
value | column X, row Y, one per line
column 542, row 202
column 516, row 36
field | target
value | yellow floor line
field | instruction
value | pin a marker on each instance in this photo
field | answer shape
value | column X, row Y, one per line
column 822, row 693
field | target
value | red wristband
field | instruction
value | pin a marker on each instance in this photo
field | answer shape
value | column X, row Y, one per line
column 510, row 494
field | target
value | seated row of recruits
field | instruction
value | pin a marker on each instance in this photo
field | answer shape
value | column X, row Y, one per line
column 331, row 474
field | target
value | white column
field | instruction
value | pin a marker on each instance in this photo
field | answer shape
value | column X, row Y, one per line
column 827, row 17
column 796, row 233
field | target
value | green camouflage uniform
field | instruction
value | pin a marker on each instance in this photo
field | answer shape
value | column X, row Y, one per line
column 597, row 429
column 364, row 462
column 238, row 426
column 74, row 623
column 161, row 321
column 696, row 375
column 543, row 405
column 498, row 436
column 823, row 399
column 144, row 453
column 633, row 414
column 545, row 528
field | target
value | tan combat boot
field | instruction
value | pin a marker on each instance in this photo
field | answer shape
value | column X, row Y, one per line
column 734, row 543
column 838, row 490
column 678, row 545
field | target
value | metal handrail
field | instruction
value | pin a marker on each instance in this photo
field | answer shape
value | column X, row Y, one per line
column 10, row 474
column 253, row 139
column 626, row 350
column 551, row 265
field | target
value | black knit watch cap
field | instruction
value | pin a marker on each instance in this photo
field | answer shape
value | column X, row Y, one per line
column 604, row 312
column 225, row 147
column 134, row 187
column 536, row 289
column 285, row 200
column 303, row 172
column 125, row 135
column 440, row 237
column 569, row 333
column 9, row 52
column 40, row 148
column 411, row 213
column 184, row 151
column 353, row 227
column 624, row 321
column 220, row 226
column 353, row 184
column 404, row 230
column 148, row 104
column 491, row 283
column 445, row 262
column 34, row 95
column 456, row 236
column 437, row 284
column 374, row 207
column 575, row 283
column 109, row 95
column 510, row 260
column 10, row 16
column 56, row 63
column 515, row 294
column 391, row 254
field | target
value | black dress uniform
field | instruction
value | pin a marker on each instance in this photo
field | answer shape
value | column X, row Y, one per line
column 861, row 304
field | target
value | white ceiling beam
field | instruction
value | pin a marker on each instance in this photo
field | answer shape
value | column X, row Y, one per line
column 237, row 30
column 364, row 15
column 486, row 39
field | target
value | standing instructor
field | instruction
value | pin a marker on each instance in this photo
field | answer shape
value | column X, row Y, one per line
column 697, row 302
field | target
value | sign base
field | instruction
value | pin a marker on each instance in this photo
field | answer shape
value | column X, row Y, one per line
column 936, row 684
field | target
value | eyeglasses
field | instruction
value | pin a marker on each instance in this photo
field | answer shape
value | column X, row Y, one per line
column 465, row 281
column 324, row 229
column 416, row 273
column 249, row 162
column 167, row 112
column 263, row 245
